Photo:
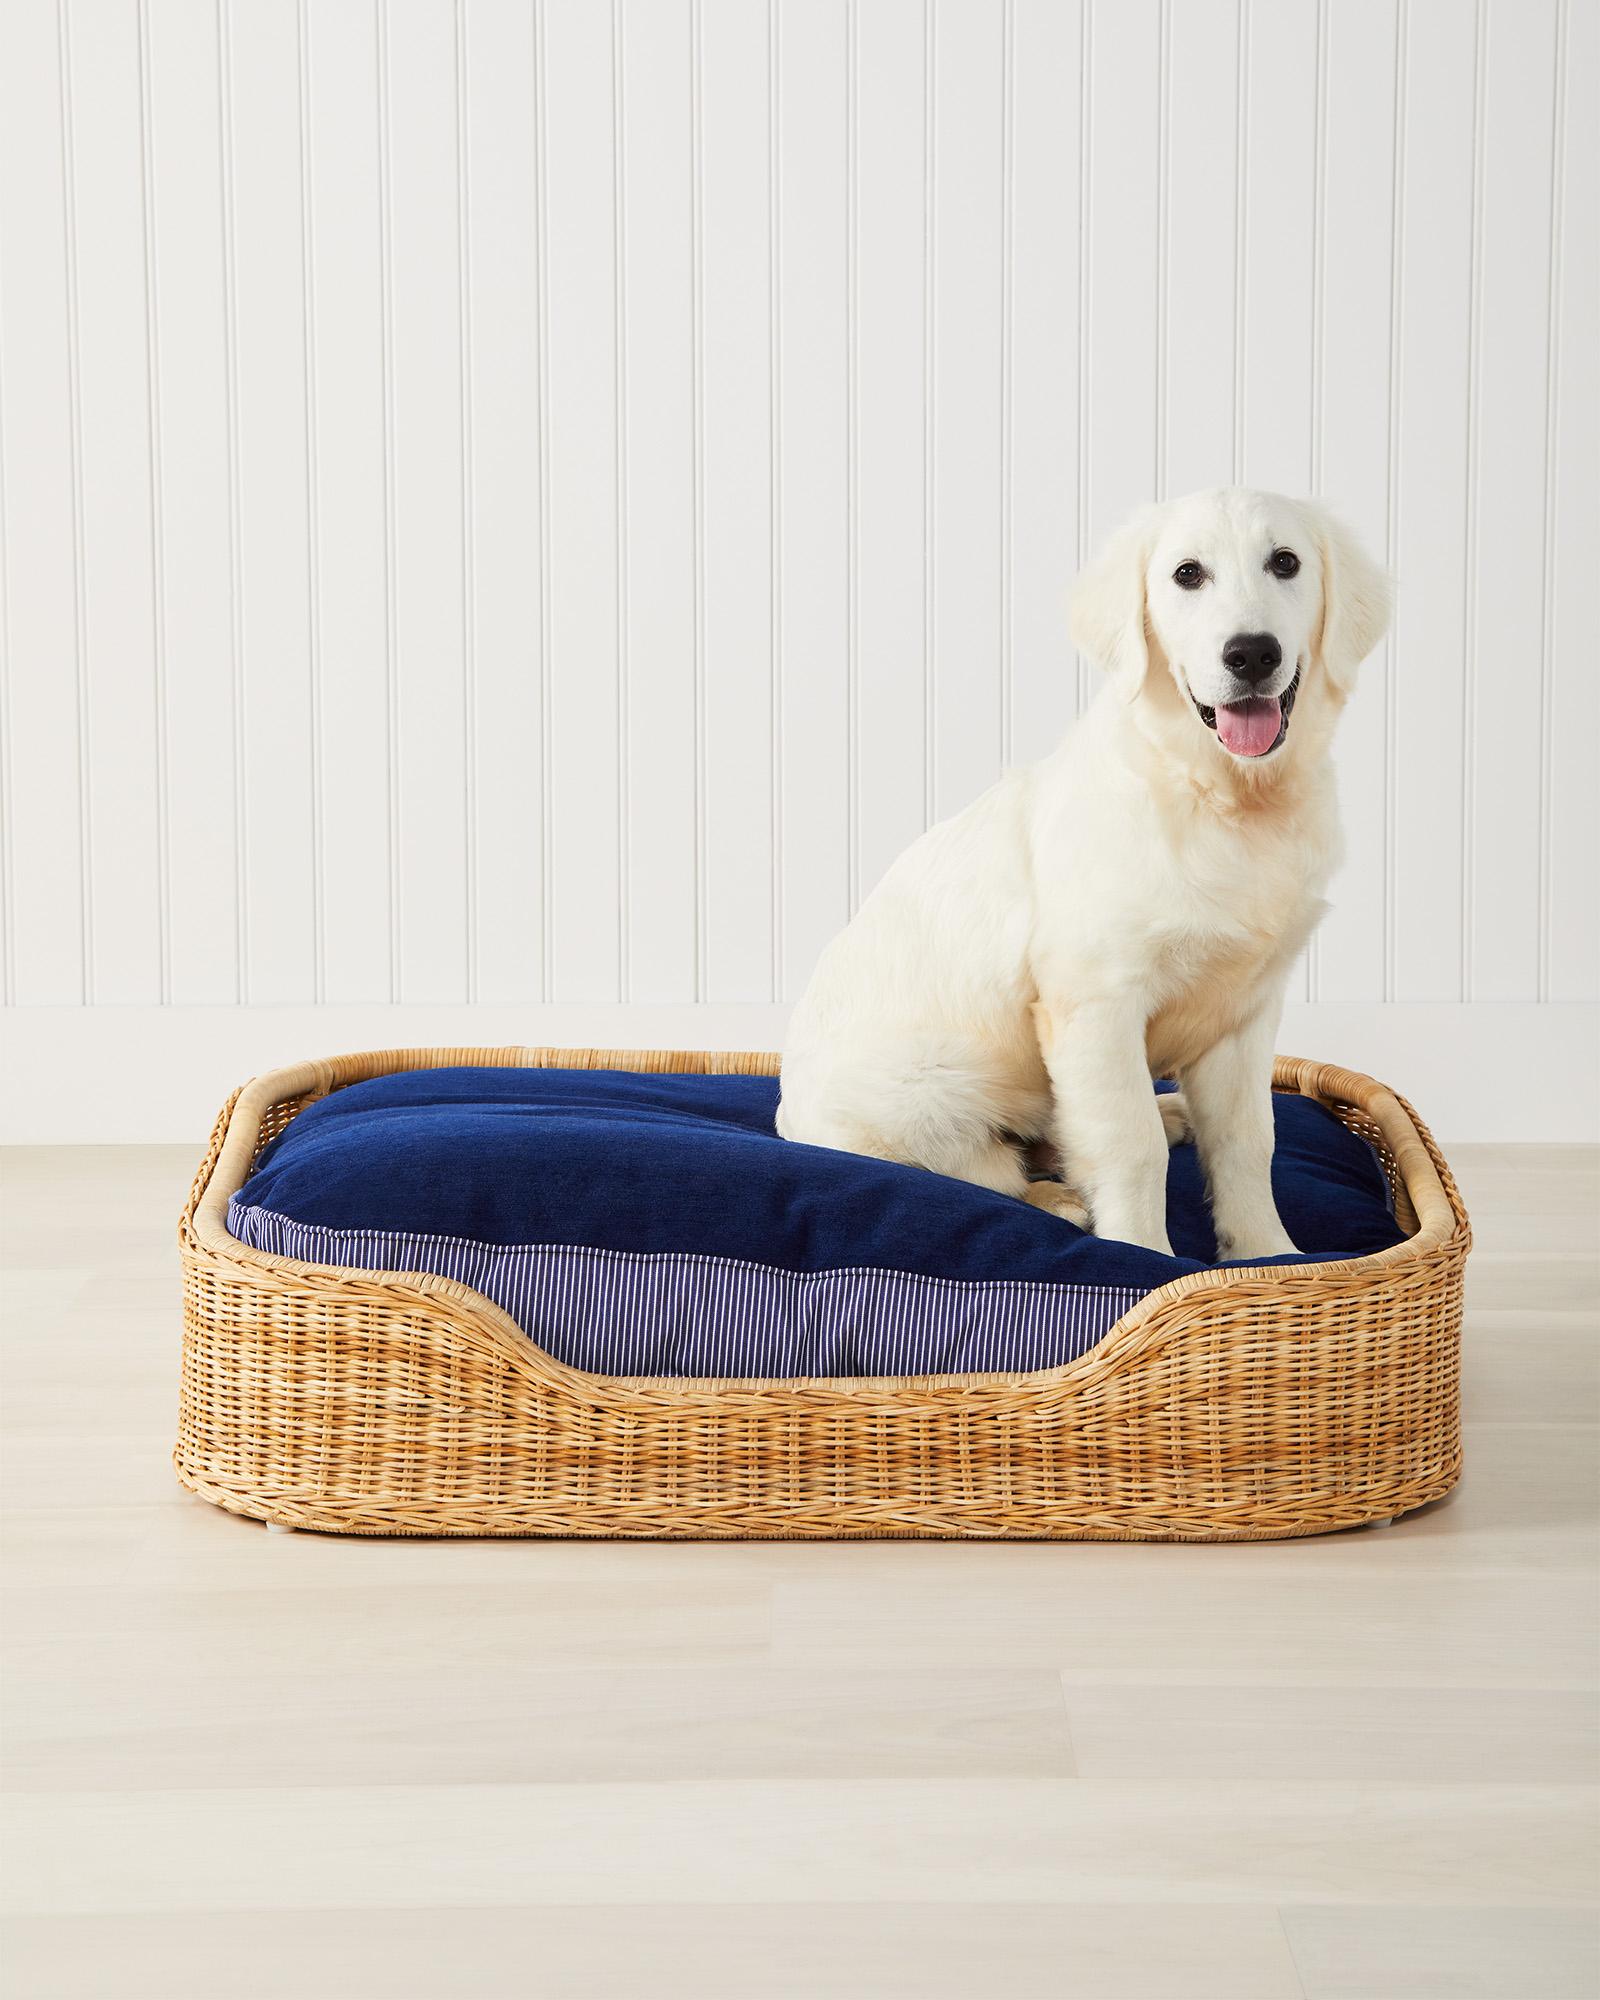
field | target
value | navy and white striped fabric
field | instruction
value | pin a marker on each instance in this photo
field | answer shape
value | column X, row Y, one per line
column 656, row 1225
column 622, row 1313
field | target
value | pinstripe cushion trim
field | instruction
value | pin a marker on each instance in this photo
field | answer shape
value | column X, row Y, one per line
column 633, row 1313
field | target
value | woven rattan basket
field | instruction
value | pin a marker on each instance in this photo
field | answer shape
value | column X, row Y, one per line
column 1228, row 1405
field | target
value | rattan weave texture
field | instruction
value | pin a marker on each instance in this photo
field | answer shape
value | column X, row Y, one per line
column 1228, row 1405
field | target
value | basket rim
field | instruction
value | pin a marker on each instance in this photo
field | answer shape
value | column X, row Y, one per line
column 1442, row 1235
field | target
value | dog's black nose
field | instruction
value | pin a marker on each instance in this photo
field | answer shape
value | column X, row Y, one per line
column 1252, row 656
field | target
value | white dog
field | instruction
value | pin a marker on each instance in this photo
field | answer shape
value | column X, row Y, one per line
column 1128, row 907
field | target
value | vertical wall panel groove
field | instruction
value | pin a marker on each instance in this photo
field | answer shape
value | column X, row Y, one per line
column 697, row 378
column 1572, row 837
column 813, row 307
column 1007, row 334
column 313, row 534
column 1357, row 202
column 1547, row 565
column 1428, row 455
column 891, row 411
column 1241, row 236
column 1397, row 270
column 390, row 620
column 235, row 594
column 967, row 467
column 1162, row 488
column 1519, row 98
column 930, row 581
column 469, row 584
column 422, row 45
column 1318, row 342
column 79, row 614
column 1084, row 380
column 546, row 735
column 1043, row 431
column 1469, row 652
column 657, row 546
column 775, row 489
column 852, row 141
column 157, row 547
column 603, row 627
column 192, row 566
column 584, row 608
column 736, row 490
column 111, row 307
column 619, row 281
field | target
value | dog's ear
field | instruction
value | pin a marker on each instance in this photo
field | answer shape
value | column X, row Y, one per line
column 1357, row 599
column 1108, row 608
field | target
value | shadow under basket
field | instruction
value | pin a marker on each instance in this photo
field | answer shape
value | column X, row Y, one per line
column 1240, row 1404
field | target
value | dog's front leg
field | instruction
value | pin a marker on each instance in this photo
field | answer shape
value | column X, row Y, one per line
column 1229, row 1095
column 1108, row 1122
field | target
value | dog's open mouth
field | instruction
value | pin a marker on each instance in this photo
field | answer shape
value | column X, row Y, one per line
column 1252, row 728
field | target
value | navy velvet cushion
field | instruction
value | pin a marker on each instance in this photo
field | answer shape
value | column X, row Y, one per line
column 673, row 1171
column 666, row 1163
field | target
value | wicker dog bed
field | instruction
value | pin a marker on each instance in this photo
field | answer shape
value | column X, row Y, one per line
column 1227, row 1405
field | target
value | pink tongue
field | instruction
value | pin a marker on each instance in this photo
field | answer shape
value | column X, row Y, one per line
column 1250, row 728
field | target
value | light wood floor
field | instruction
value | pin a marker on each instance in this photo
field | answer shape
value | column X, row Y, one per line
column 246, row 1765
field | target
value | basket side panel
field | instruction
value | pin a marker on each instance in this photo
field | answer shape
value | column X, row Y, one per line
column 343, row 1407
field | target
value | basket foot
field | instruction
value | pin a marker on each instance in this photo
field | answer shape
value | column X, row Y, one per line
column 1383, row 1521
column 279, row 1528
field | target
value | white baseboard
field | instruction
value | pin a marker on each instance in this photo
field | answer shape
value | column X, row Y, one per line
column 119, row 1075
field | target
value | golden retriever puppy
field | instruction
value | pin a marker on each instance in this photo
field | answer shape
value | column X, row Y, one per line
column 1127, row 907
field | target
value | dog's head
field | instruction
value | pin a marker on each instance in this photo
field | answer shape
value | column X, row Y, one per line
column 1238, row 616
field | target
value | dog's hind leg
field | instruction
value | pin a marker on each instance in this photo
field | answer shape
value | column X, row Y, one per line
column 975, row 1154
column 1001, row 1165
column 987, row 1161
column 1056, row 1199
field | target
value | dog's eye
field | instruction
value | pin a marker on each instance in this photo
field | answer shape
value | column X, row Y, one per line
column 1188, row 576
column 1284, row 562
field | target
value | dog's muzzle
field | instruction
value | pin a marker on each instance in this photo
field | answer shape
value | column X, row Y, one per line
column 1253, row 727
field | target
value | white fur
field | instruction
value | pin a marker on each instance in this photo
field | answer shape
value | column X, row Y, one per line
column 1129, row 906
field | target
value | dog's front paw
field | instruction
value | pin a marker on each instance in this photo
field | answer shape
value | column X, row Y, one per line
column 1175, row 1117
column 1121, row 1227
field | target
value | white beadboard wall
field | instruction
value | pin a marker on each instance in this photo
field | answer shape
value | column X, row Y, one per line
column 514, row 513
